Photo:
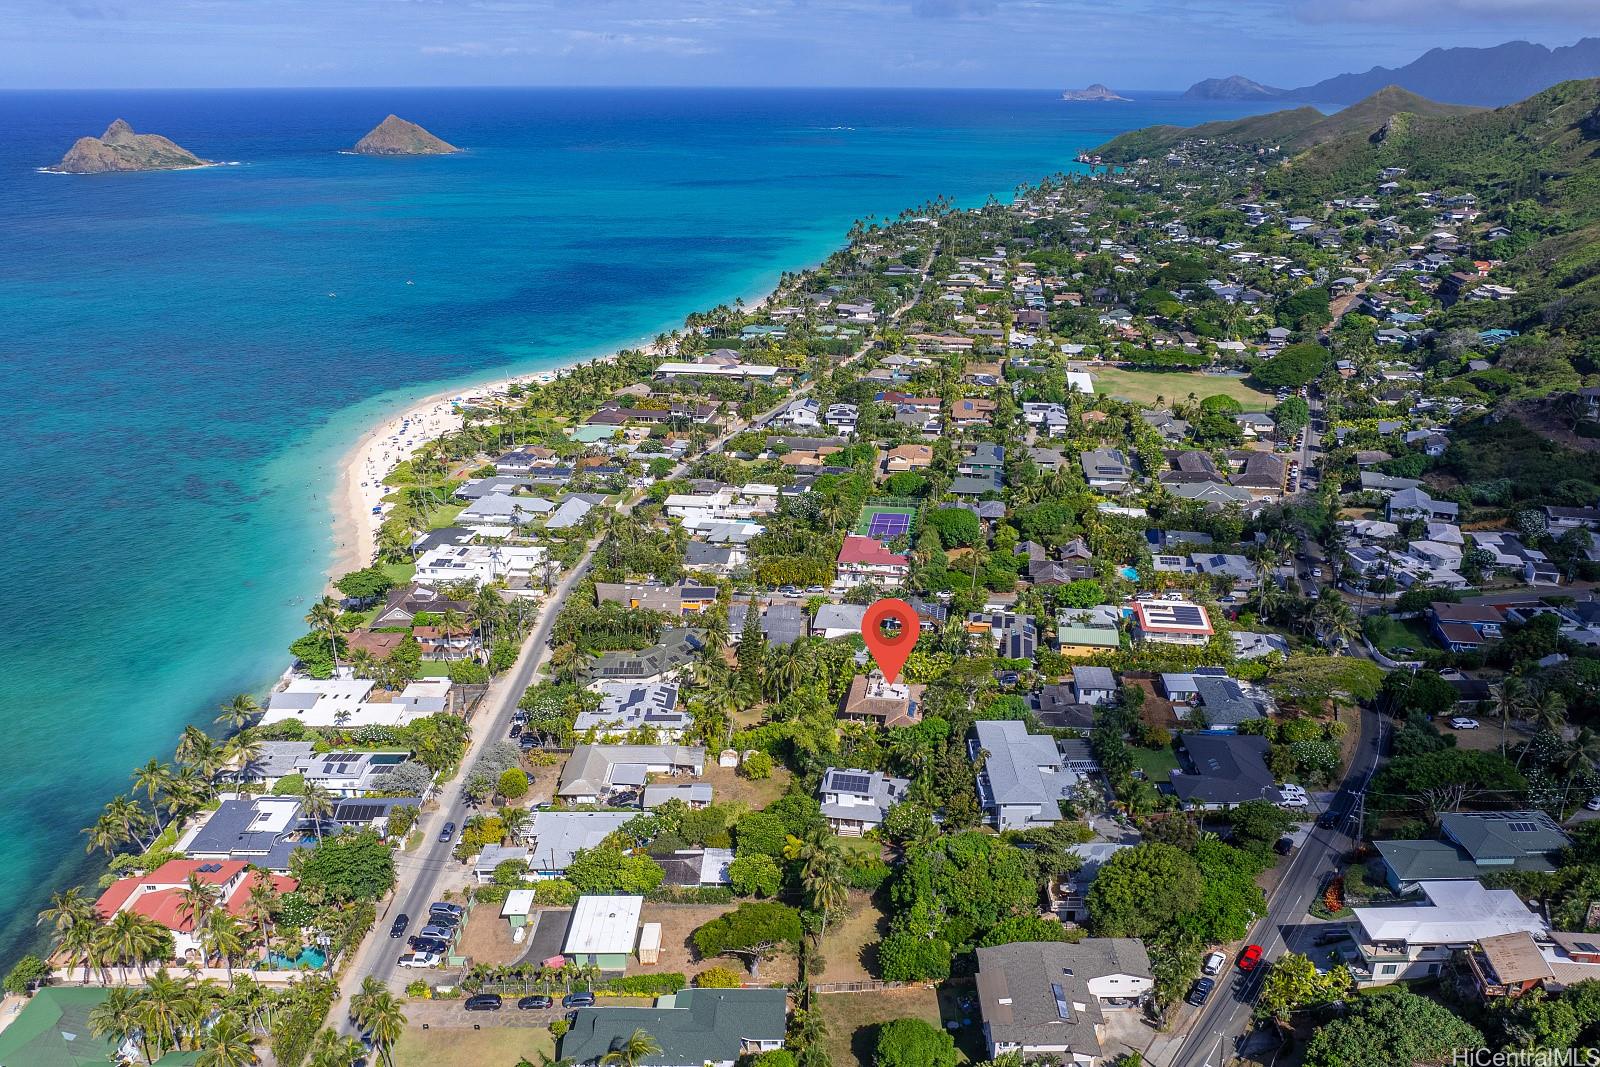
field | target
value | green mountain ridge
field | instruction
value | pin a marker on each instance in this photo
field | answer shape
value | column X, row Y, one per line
column 1289, row 131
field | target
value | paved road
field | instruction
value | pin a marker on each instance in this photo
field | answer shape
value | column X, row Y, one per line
column 1227, row 1015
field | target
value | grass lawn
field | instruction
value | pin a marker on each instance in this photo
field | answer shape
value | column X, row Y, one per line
column 434, row 668
column 1144, row 386
column 493, row 1046
column 853, row 1019
column 1154, row 762
column 399, row 573
column 1390, row 634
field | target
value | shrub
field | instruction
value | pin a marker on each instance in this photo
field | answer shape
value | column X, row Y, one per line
column 643, row 985
column 513, row 784
column 719, row 978
column 559, row 1027
column 913, row 1043
column 28, row 971
column 756, row 766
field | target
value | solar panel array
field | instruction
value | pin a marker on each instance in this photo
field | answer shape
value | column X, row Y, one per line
column 1522, row 827
column 358, row 812
column 851, row 783
column 1187, row 615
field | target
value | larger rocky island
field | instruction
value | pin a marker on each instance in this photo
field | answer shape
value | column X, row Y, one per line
column 394, row 136
column 119, row 149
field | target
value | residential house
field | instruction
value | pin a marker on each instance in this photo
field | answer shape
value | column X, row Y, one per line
column 661, row 662
column 1088, row 633
column 264, row 831
column 593, row 772
column 1171, row 622
column 855, row 801
column 1211, row 696
column 1094, row 685
column 492, row 856
column 631, row 707
column 602, row 931
column 1415, row 503
column 903, row 458
column 1022, row 779
column 864, row 561
column 1474, row 844
column 1464, row 627
column 1223, row 770
column 1410, row 941
column 693, row 1028
column 838, row 620
column 158, row 896
column 405, row 603
column 695, row 866
column 1106, row 468
column 781, row 623
column 681, row 598
column 871, row 699
column 1050, row 998
column 554, row 837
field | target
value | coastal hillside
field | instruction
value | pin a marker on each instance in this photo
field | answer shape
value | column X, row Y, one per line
column 1486, row 77
column 394, row 136
column 1287, row 131
column 1536, row 163
column 121, row 149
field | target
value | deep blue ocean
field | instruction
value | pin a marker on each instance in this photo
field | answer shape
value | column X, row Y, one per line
column 186, row 355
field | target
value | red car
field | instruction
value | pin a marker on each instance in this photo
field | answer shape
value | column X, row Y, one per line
column 1249, row 957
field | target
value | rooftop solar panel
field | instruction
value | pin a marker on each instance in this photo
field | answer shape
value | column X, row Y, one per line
column 851, row 783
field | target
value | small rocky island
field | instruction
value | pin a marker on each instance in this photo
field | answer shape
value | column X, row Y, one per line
column 1094, row 92
column 394, row 136
column 119, row 149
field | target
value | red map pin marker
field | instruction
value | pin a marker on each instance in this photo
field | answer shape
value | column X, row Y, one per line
column 890, row 652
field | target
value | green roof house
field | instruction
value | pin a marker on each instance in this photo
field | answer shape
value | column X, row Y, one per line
column 52, row 1030
column 694, row 1028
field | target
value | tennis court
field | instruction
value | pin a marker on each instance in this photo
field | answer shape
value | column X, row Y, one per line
column 886, row 521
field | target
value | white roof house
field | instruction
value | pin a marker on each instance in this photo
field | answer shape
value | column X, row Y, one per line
column 1457, row 912
column 343, row 702
column 603, row 926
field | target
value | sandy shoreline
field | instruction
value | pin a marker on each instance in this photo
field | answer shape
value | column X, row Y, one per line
column 398, row 437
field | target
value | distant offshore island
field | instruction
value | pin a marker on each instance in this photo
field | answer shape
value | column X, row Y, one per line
column 394, row 136
column 120, row 149
column 1094, row 92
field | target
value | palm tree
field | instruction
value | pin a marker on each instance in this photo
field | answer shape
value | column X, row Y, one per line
column 326, row 617
column 227, row 1044
column 161, row 1010
column 258, row 908
column 223, row 936
column 240, row 711
column 1578, row 756
column 153, row 778
column 197, row 899
column 81, row 942
column 317, row 804
column 117, row 1019
column 130, row 940
column 242, row 749
column 331, row 1050
column 1508, row 701
column 66, row 910
column 515, row 820
column 384, row 1022
column 628, row 1051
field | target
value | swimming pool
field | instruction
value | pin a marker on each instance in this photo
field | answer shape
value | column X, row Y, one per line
column 310, row 958
column 1129, row 573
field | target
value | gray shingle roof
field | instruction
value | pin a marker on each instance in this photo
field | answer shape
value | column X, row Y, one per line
column 694, row 1027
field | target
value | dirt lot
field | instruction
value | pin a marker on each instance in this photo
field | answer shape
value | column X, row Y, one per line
column 678, row 921
column 853, row 1019
column 544, row 774
column 727, row 785
column 487, row 937
column 851, row 948
column 492, row 1046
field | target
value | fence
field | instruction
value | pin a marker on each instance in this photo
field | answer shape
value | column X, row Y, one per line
column 864, row 987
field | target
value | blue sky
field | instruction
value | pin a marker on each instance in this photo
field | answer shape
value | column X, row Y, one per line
column 1139, row 44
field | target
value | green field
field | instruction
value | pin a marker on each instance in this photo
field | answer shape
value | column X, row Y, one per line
column 495, row 1046
column 864, row 523
column 1142, row 387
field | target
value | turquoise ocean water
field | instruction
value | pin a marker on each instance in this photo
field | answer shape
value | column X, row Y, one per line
column 186, row 356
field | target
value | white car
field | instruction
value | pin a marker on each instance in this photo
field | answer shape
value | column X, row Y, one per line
column 1593, row 804
column 1213, row 963
column 1459, row 723
column 419, row 959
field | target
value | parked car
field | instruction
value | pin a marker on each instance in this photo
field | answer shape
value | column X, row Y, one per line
column 437, row 930
column 1330, row 937
column 436, row 945
column 1593, row 804
column 1200, row 991
column 419, row 959
column 1463, row 723
column 398, row 928
column 581, row 999
column 1284, row 846
column 1250, row 957
column 439, row 907
column 483, row 1002
column 448, row 833
column 1213, row 963
column 1328, row 819
column 535, row 1002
